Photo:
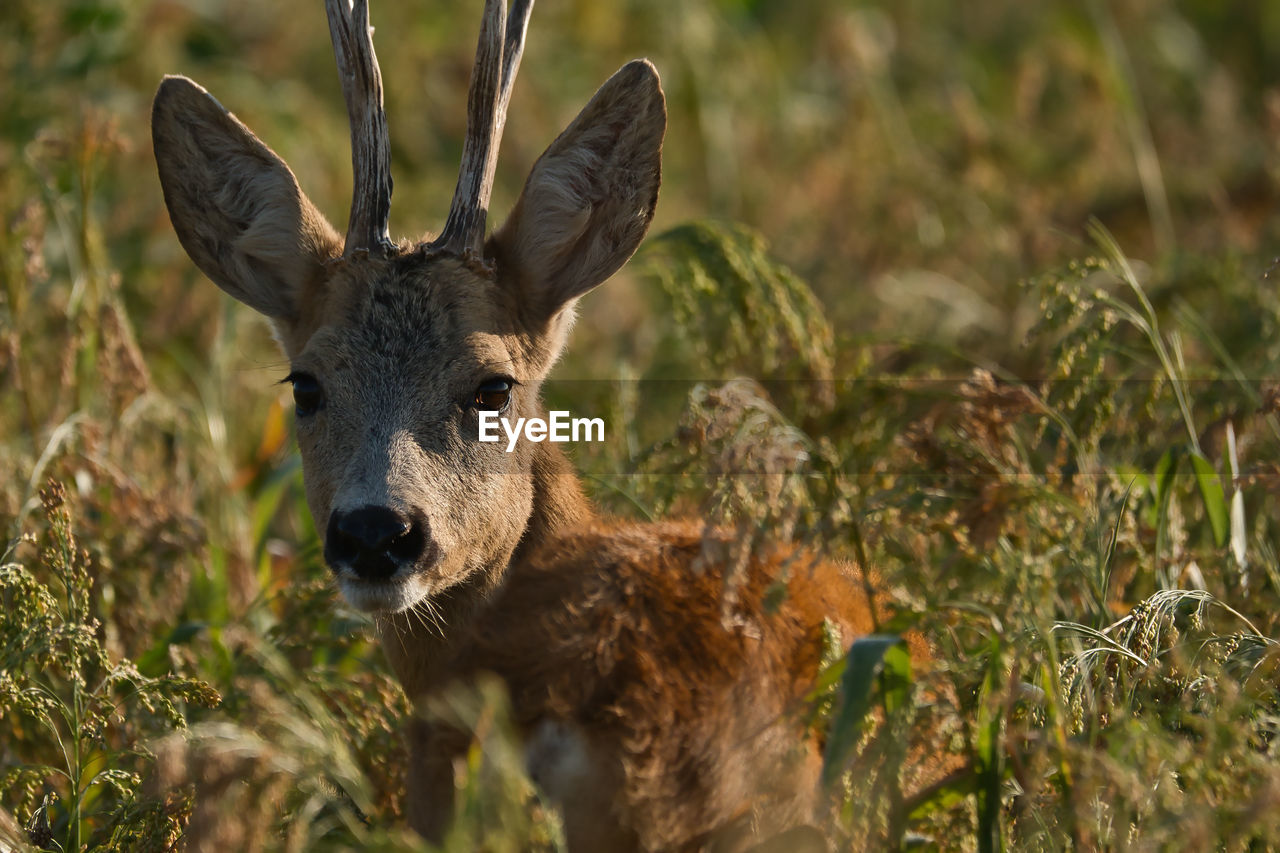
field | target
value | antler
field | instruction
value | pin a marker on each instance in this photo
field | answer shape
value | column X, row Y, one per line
column 370, row 146
column 497, row 59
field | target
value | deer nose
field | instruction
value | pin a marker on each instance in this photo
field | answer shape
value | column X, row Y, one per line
column 374, row 541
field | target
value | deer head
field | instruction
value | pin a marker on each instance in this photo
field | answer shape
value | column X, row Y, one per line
column 395, row 348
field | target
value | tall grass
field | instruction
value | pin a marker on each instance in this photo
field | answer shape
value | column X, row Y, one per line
column 1054, row 442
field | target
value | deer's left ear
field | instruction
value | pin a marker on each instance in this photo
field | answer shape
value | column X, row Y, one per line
column 590, row 197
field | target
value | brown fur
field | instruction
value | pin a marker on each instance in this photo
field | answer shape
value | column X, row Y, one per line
column 655, row 714
column 630, row 644
column 616, row 631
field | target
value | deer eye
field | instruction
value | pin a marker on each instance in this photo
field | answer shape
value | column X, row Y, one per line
column 308, row 396
column 493, row 395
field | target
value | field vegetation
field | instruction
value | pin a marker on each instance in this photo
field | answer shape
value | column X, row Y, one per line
column 979, row 295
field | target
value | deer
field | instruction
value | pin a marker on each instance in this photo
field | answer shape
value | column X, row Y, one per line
column 648, row 719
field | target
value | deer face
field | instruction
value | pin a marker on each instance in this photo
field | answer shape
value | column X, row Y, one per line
column 389, row 394
column 395, row 350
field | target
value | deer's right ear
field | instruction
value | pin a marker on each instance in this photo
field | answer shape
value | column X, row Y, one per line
column 235, row 205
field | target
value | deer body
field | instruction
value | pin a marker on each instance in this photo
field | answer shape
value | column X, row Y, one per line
column 653, row 718
column 657, row 715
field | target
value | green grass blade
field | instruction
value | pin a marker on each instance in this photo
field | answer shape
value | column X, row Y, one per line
column 866, row 660
column 1213, row 496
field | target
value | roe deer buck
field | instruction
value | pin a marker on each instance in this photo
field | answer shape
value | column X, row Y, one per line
column 648, row 720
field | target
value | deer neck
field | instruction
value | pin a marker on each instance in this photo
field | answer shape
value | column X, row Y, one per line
column 558, row 500
column 422, row 649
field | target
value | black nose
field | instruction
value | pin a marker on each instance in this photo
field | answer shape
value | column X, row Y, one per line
column 374, row 541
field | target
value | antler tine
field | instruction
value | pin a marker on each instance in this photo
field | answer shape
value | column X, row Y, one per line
column 497, row 60
column 512, row 50
column 370, row 145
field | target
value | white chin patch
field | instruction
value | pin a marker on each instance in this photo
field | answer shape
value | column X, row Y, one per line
column 391, row 596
